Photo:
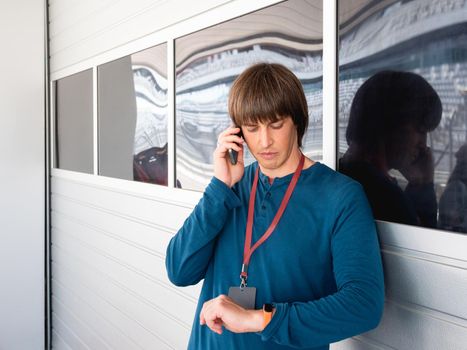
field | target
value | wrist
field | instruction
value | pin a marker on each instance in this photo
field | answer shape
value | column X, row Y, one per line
column 256, row 320
column 419, row 183
column 268, row 313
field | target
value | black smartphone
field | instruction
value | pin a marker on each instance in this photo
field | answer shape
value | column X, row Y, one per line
column 233, row 154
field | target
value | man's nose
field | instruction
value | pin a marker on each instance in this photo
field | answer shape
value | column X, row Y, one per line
column 265, row 138
column 422, row 139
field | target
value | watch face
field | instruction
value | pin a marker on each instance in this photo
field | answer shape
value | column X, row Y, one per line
column 268, row 307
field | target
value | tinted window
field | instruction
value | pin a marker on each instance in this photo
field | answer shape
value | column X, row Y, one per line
column 74, row 123
column 132, row 95
column 208, row 61
column 402, row 108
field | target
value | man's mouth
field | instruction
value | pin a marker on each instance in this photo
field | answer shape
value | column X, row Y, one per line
column 267, row 155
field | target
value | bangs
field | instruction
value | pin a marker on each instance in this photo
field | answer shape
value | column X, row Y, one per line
column 255, row 109
column 266, row 93
column 259, row 99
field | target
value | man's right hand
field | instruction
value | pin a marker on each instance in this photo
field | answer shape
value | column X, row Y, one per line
column 224, row 170
column 421, row 170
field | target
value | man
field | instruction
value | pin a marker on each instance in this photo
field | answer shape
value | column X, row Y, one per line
column 390, row 118
column 300, row 235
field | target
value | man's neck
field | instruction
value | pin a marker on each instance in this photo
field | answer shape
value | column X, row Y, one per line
column 288, row 168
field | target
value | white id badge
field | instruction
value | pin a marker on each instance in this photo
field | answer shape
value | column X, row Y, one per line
column 245, row 297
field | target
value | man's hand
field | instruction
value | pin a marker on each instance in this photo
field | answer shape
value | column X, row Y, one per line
column 223, row 169
column 421, row 171
column 222, row 311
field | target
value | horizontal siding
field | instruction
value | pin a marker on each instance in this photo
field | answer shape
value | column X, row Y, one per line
column 69, row 335
column 155, row 289
column 426, row 285
column 92, row 28
column 67, row 302
column 436, row 243
column 436, row 286
column 151, row 328
column 359, row 343
column 109, row 283
column 406, row 327
column 102, row 306
column 87, row 332
column 164, row 213
column 58, row 342
column 108, row 251
column 425, row 307
column 65, row 15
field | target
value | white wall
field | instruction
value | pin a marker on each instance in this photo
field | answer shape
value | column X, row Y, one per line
column 22, row 175
column 109, row 286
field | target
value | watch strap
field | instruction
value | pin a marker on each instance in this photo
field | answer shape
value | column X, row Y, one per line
column 267, row 314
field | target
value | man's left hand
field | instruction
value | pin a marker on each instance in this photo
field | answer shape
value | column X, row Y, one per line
column 223, row 311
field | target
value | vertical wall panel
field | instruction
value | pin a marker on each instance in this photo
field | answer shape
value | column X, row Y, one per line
column 22, row 175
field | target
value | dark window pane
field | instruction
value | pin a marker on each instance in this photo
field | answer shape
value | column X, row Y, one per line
column 132, row 95
column 208, row 61
column 74, row 123
column 402, row 124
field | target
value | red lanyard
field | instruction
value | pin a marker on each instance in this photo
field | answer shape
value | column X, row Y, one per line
column 248, row 249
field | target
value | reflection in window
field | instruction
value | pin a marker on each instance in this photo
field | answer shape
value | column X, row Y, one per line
column 402, row 108
column 133, row 117
column 207, row 62
column 74, row 126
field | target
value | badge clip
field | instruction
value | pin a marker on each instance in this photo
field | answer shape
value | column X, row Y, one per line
column 243, row 276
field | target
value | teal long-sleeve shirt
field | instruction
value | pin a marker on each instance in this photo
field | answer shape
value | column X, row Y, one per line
column 321, row 267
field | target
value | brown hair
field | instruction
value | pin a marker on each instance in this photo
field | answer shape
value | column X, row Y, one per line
column 268, row 92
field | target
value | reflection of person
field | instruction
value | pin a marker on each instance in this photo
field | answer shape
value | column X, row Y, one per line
column 318, row 276
column 390, row 116
column 453, row 201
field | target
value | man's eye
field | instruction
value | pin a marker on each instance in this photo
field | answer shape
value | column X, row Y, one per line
column 251, row 128
column 277, row 125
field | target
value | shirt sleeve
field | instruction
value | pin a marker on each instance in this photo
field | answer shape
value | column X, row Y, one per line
column 423, row 199
column 190, row 250
column 357, row 304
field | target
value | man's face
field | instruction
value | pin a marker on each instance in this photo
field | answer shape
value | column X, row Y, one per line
column 405, row 147
column 274, row 145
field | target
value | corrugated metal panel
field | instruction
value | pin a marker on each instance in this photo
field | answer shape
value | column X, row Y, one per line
column 157, row 329
column 65, row 300
column 83, row 30
column 109, row 284
column 407, row 327
column 58, row 342
column 108, row 244
column 419, row 280
column 426, row 284
column 108, row 272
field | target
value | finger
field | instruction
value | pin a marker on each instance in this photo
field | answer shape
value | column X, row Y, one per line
column 240, row 156
column 234, row 146
column 217, row 326
column 229, row 131
column 227, row 142
column 232, row 138
column 233, row 130
column 202, row 314
column 202, row 320
column 225, row 146
column 230, row 134
column 223, row 297
column 212, row 315
column 214, row 324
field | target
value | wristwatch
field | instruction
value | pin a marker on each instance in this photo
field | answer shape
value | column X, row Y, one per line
column 267, row 314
